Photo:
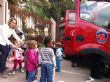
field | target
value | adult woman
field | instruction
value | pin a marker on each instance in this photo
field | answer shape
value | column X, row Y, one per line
column 5, row 44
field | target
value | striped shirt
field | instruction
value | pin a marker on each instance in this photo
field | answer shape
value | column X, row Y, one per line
column 46, row 55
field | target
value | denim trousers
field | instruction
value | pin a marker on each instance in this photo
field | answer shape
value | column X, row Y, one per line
column 58, row 64
column 4, row 54
column 46, row 73
column 31, row 76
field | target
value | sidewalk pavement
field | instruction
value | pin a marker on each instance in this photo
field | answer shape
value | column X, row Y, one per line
column 13, row 78
column 67, row 74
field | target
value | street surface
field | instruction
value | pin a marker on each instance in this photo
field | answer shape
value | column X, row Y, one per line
column 67, row 74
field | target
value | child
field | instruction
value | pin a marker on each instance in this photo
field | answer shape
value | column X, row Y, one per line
column 31, row 60
column 47, row 61
column 59, row 53
column 37, row 51
column 18, row 58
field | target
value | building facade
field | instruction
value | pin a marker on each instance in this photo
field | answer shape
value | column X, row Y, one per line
column 4, row 12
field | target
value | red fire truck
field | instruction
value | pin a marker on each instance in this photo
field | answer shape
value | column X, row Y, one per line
column 86, row 30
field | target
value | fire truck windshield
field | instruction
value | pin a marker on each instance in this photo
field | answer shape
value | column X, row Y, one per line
column 96, row 12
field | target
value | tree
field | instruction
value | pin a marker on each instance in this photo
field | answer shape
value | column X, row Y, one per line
column 59, row 7
column 43, row 8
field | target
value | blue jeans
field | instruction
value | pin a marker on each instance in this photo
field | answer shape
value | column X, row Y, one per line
column 46, row 73
column 58, row 64
column 31, row 76
column 4, row 54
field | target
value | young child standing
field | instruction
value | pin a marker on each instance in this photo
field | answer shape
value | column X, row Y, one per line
column 47, row 61
column 18, row 57
column 31, row 60
column 59, row 53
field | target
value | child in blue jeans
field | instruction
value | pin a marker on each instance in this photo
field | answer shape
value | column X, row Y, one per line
column 59, row 53
column 47, row 61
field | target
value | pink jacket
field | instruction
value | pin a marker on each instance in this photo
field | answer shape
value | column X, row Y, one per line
column 31, row 60
column 18, row 54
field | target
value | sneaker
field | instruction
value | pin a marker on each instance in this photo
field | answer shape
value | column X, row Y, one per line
column 34, row 81
column 13, row 72
column 57, row 70
column 9, row 73
column 90, row 79
column 21, row 70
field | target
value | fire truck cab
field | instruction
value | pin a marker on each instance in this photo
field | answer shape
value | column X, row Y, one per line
column 87, row 30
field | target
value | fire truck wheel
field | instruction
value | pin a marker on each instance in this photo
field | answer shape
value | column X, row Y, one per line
column 105, row 67
column 66, row 57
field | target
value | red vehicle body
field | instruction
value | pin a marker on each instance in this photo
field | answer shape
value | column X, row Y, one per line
column 87, row 31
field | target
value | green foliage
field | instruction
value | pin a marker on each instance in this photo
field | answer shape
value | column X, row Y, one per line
column 45, row 8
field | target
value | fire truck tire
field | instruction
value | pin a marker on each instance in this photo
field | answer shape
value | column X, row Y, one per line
column 73, row 63
column 66, row 57
column 105, row 67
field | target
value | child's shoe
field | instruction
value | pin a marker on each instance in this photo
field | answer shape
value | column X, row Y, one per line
column 34, row 81
column 90, row 79
column 13, row 72
column 21, row 70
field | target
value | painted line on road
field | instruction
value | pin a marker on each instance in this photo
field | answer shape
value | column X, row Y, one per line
column 74, row 73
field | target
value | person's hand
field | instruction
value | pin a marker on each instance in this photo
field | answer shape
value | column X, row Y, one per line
column 21, row 42
column 13, row 46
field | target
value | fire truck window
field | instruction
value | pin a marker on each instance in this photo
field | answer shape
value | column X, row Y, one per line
column 85, row 9
column 95, row 12
column 72, row 16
